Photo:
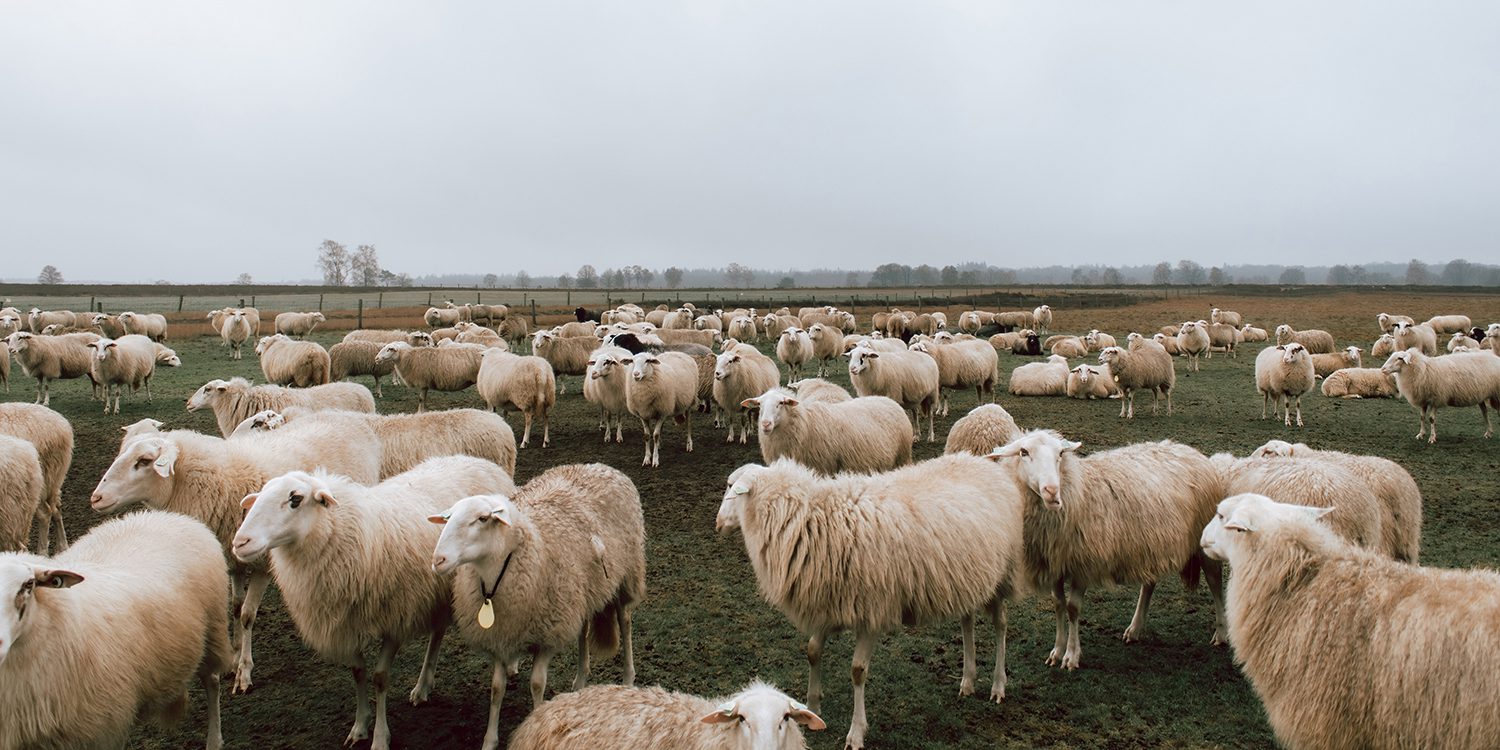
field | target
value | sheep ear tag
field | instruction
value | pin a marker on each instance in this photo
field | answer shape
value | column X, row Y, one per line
column 487, row 615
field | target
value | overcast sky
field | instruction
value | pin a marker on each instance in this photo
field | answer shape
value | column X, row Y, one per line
column 196, row 140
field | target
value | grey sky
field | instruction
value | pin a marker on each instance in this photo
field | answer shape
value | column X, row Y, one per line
column 222, row 137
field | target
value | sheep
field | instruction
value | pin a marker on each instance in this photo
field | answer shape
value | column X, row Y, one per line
column 963, row 364
column 1048, row 378
column 473, row 333
column 297, row 363
column 10, row 324
column 52, row 436
column 447, row 368
column 1193, row 342
column 1388, row 322
column 1015, row 319
column 933, row 541
column 1147, row 369
column 1225, row 317
column 585, row 316
column 233, row 400
column 49, row 358
column 867, row 434
column 794, row 348
column 1360, row 515
column 1097, row 340
column 1127, row 515
column 515, row 331
column 1462, row 339
column 37, row 319
column 759, row 716
column 709, row 323
column 409, row 439
column 740, row 376
column 827, row 345
column 1068, row 346
column 687, row 336
column 769, row 326
column 1422, row 337
column 809, row 390
column 661, row 386
column 909, row 378
column 150, row 325
column 1284, row 374
column 1383, row 346
column 1446, row 324
column 490, row 314
column 1325, row 364
column 1167, row 343
column 1316, row 341
column 1396, row 656
column 129, row 360
column 1492, row 339
column 1042, row 314
column 743, row 328
column 353, row 565
column 1222, row 337
column 374, row 336
column 604, row 386
column 442, row 316
column 567, row 355
column 982, row 430
column 22, row 488
column 1251, row 333
column 575, row 329
column 206, row 477
column 566, row 556
column 233, row 332
column 1091, row 382
column 1428, row 383
column 80, row 664
column 349, row 358
column 298, row 324
column 679, row 319
column 514, row 383
column 1353, row 382
column 1392, row 485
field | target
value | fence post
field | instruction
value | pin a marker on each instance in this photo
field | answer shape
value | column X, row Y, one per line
column 476, row 297
column 252, row 300
column 361, row 323
column 179, row 303
column 91, row 304
column 533, row 313
column 380, row 299
column 570, row 298
column 429, row 299
column 320, row 301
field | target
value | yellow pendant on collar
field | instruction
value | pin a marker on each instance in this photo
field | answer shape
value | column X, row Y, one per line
column 487, row 615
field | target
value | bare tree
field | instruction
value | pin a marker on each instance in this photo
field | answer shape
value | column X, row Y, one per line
column 244, row 279
column 588, row 278
column 523, row 279
column 673, row 277
column 333, row 260
column 365, row 266
column 49, row 275
column 565, row 281
column 491, row 281
column 739, row 275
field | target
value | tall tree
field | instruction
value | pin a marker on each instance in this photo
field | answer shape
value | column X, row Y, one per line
column 333, row 260
column 1162, row 273
column 491, row 281
column 1340, row 274
column 644, row 276
column 588, row 278
column 851, row 278
column 244, row 279
column 364, row 266
column 738, row 274
column 49, row 275
column 1459, row 271
column 1293, row 275
column 1417, row 273
column 1189, row 272
column 523, row 279
column 950, row 275
column 564, row 282
column 1217, row 277
column 673, row 277
column 924, row 275
column 1111, row 277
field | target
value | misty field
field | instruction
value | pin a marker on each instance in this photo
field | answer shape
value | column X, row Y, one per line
column 704, row 629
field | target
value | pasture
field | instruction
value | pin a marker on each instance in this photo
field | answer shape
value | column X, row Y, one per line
column 704, row 629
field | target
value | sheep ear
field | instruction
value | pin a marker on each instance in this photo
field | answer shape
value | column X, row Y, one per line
column 790, row 402
column 801, row 715
column 249, row 500
column 322, row 495
column 725, row 712
column 1314, row 513
column 498, row 515
column 440, row 518
column 1004, row 451
column 166, row 460
column 1068, row 446
column 1238, row 525
column 57, row 579
column 872, row 355
column 740, row 488
column 751, row 403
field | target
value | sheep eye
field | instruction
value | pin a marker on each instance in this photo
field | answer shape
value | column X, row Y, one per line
column 142, row 463
column 294, row 500
column 1025, row 453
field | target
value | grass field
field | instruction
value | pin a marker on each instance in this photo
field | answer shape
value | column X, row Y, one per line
column 704, row 629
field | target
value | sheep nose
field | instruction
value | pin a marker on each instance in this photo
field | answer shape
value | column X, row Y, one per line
column 438, row 561
column 1049, row 491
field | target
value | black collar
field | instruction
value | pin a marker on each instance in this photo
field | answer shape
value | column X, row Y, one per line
column 488, row 595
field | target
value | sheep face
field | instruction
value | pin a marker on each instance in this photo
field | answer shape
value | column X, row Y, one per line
column 473, row 530
column 738, row 486
column 20, row 582
column 1397, row 362
column 1273, row 449
column 1084, row 373
column 1039, row 457
column 142, row 473
column 861, row 359
column 19, row 341
column 1239, row 518
column 1292, row 351
column 643, row 365
column 727, row 363
column 285, row 510
column 205, row 395
column 103, row 348
column 1110, row 354
column 392, row 352
column 604, row 365
column 775, row 408
column 764, row 718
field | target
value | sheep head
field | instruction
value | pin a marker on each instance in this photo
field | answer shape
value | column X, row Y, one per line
column 1039, row 456
column 763, row 717
column 470, row 531
column 21, row 581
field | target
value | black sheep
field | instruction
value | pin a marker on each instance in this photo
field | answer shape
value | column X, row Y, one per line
column 584, row 316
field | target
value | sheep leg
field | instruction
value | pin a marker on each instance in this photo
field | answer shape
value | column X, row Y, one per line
column 1060, row 608
column 1489, row 431
column 1075, row 647
column 245, row 623
column 526, row 434
column 1169, row 401
column 582, row 677
column 619, row 430
column 539, row 676
column 546, row 428
column 966, row 683
column 815, row 670
column 425, row 679
column 208, row 678
column 1431, row 424
column 360, row 730
column 623, row 617
column 646, row 431
column 1137, row 629
column 689, row 425
column 59, row 534
column 1265, row 401
column 497, row 696
column 382, row 680
column 998, row 615
column 1299, row 410
column 858, row 673
column 1213, row 574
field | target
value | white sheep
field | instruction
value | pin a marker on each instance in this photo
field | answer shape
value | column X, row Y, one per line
column 1127, row 515
column 347, row 359
column 442, row 316
column 933, row 541
column 1359, row 382
column 1359, row 515
column 37, row 319
column 567, row 355
column 511, row 382
column 963, row 364
column 112, row 631
column 1393, row 655
column 1388, row 322
column 1446, row 324
column 22, row 489
column 409, row 439
column 982, row 430
column 1284, row 374
column 353, row 564
column 661, row 387
column 1147, row 368
column 234, row 400
column 473, row 333
column 565, row 556
column 1223, row 337
column 1016, row 319
column 1421, row 336
column 1492, row 339
column 234, row 332
column 1316, row 341
column 740, row 376
column 297, row 363
column 150, row 325
column 52, row 436
column 794, row 348
column 910, row 379
column 1167, row 343
column 709, row 323
column 743, row 328
column 827, row 345
column 1325, row 364
column 1067, row 346
column 760, row 717
column 1428, row 383
column 1225, row 317
column 383, row 337
column 867, row 434
column 575, row 329
column 444, row 368
column 1098, row 340
column 1193, row 342
column 1462, row 339
column 49, row 358
column 1251, row 333
column 1383, row 346
column 1042, row 314
column 1048, row 378
column 1091, row 382
column 604, row 386
column 129, row 360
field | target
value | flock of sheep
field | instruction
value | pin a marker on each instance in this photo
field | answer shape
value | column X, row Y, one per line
column 388, row 528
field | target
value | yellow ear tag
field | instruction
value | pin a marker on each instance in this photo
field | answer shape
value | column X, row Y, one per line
column 487, row 615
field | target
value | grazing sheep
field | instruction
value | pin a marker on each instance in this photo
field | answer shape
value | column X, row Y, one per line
column 1422, row 337
column 961, row 365
column 1383, row 346
column 1283, row 374
column 1428, row 383
column 760, row 717
column 111, row 631
column 297, row 363
column 1067, row 346
column 565, row 555
column 910, row 379
column 442, row 316
column 514, row 383
column 1048, row 378
column 827, row 345
column 1316, row 341
column 1359, row 515
column 1193, row 342
column 22, row 488
column 49, row 358
column 1446, row 324
column 1091, row 382
column 52, row 436
column 1225, row 317
column 1251, row 333
column 868, row 434
column 662, row 386
column 1462, row 339
column 568, row 355
column 1128, row 515
column 1366, row 382
column 1223, row 338
column 604, row 386
column 1147, row 368
column 1396, row 656
column 445, row 368
column 349, row 358
column 1388, row 322
column 1043, row 317
column 740, row 376
column 515, row 331
column 933, row 541
column 150, row 325
column 383, row 337
column 1325, row 364
column 981, row 431
column 129, row 360
column 234, row 400
column 794, row 348
column 490, row 314
column 354, row 566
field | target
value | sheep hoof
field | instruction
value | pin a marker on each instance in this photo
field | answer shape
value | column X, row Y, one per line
column 997, row 693
column 1218, row 639
column 355, row 735
column 1053, row 658
column 1133, row 634
column 966, row 687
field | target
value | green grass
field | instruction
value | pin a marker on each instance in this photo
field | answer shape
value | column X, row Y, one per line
column 704, row 629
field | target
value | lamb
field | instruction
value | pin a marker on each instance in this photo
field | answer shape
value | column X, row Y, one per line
column 22, row 488
column 298, row 363
column 233, row 400
column 298, row 324
column 867, row 435
column 49, row 358
column 794, row 348
column 1068, row 346
column 567, row 355
column 740, row 376
column 565, row 554
column 409, row 439
column 1316, row 341
column 1422, row 641
column 827, row 345
column 442, row 316
column 1193, row 342
column 1225, row 317
column 1446, row 324
column 661, row 386
column 1284, row 374
column 1383, row 346
column 1388, row 322
column 129, row 360
column 982, row 430
column 1251, row 333
column 515, row 383
column 1422, row 337
column 1222, row 337
column 1127, row 515
column 353, row 565
column 1428, row 383
column 1462, row 339
column 1147, row 369
column 206, row 477
column 963, row 364
column 52, row 436
column 1354, row 382
column 1091, row 382
column 150, row 325
column 79, row 664
column 605, row 386
column 1042, row 314
column 760, row 716
column 1048, row 378
column 910, row 379
column 918, row 551
column 447, row 368
column 1325, row 364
